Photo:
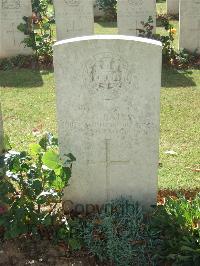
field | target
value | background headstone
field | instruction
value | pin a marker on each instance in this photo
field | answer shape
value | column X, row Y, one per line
column 130, row 13
column 189, row 18
column 74, row 18
column 1, row 132
column 11, row 15
column 108, row 94
column 172, row 7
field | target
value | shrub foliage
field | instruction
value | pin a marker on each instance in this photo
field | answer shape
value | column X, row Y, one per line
column 31, row 187
column 121, row 234
column 179, row 224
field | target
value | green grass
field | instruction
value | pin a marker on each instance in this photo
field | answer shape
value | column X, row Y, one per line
column 28, row 104
column 180, row 129
column 106, row 28
column 161, row 7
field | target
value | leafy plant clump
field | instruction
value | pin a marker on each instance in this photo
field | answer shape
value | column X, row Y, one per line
column 40, row 36
column 179, row 224
column 31, row 189
column 178, row 59
column 147, row 29
column 110, row 9
column 121, row 234
column 168, row 50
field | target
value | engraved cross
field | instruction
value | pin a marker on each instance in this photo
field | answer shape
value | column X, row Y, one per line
column 12, row 31
column 109, row 162
column 135, row 29
column 73, row 28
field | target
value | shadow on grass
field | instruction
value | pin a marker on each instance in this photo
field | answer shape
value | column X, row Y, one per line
column 107, row 24
column 21, row 78
column 188, row 193
column 177, row 78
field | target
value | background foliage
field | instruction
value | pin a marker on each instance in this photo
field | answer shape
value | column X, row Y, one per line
column 110, row 9
column 39, row 30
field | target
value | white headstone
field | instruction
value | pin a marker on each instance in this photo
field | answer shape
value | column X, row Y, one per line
column 108, row 94
column 190, row 25
column 130, row 14
column 1, row 132
column 172, row 7
column 74, row 18
column 11, row 15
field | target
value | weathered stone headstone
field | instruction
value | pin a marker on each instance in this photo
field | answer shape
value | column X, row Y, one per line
column 1, row 132
column 130, row 14
column 108, row 94
column 172, row 7
column 189, row 25
column 11, row 15
column 74, row 18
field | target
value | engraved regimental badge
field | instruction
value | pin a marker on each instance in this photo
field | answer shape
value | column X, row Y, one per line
column 107, row 76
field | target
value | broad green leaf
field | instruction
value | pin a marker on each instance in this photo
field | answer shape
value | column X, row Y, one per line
column 71, row 158
column 51, row 160
column 35, row 149
column 47, row 221
column 65, row 174
column 37, row 186
column 44, row 140
column 58, row 183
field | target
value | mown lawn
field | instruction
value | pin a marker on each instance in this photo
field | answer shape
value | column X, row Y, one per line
column 28, row 105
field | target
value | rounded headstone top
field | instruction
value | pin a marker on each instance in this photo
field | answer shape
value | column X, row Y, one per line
column 109, row 37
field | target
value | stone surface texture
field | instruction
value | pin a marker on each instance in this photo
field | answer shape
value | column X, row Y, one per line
column 130, row 14
column 108, row 97
column 189, row 18
column 74, row 18
column 11, row 15
column 1, row 131
column 172, row 7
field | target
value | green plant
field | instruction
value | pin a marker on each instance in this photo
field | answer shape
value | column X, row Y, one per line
column 179, row 224
column 40, row 6
column 168, row 50
column 109, row 7
column 147, row 29
column 120, row 234
column 184, row 59
column 40, row 37
column 31, row 188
